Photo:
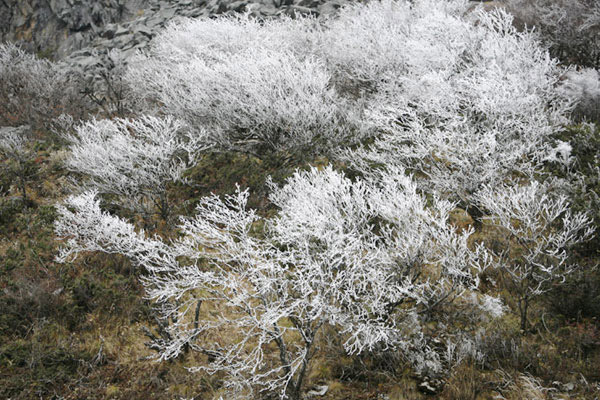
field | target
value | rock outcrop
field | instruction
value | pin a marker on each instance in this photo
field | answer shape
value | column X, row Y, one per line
column 58, row 28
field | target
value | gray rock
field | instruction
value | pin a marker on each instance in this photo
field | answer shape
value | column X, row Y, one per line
column 82, row 53
column 166, row 13
column 121, row 31
column 109, row 31
column 308, row 3
column 268, row 10
column 238, row 6
column 88, row 62
column 328, row 8
column 299, row 10
column 154, row 22
column 144, row 30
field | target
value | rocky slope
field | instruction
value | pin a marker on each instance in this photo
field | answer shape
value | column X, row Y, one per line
column 57, row 28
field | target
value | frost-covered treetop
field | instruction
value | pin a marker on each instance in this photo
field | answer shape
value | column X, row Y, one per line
column 13, row 141
column 133, row 158
column 366, row 41
column 256, row 87
column 462, row 98
column 398, row 69
column 188, row 39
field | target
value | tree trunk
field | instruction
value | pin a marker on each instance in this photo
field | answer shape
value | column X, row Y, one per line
column 23, row 190
column 523, row 308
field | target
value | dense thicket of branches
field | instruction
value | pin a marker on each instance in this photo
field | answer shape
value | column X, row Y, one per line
column 134, row 159
column 255, row 87
column 366, row 257
column 428, row 105
column 472, row 108
column 570, row 27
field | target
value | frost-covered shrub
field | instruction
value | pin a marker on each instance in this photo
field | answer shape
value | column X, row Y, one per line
column 542, row 228
column 366, row 42
column 368, row 258
column 462, row 99
column 16, row 150
column 216, row 38
column 570, row 27
column 252, row 86
column 583, row 87
column 33, row 91
column 133, row 159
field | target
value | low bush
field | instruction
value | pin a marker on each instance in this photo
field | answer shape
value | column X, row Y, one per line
column 250, row 88
column 571, row 28
column 35, row 91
